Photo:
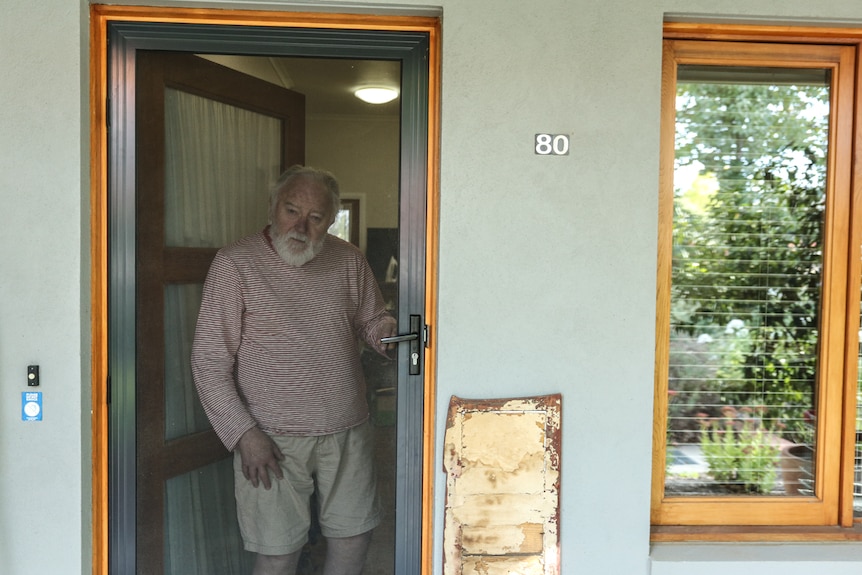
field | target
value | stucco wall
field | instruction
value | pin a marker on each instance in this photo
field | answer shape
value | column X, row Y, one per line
column 44, row 466
column 546, row 277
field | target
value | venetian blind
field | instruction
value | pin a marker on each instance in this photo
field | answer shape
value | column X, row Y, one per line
column 749, row 199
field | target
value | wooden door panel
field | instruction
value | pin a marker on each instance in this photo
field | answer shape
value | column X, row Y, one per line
column 159, row 266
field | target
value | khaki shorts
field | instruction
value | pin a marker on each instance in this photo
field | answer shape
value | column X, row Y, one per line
column 339, row 466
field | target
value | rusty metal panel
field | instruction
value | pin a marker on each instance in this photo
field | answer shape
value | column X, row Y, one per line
column 502, row 463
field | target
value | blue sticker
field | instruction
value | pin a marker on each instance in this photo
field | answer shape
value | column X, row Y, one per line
column 31, row 406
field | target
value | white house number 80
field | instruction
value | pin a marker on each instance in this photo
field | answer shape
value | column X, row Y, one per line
column 552, row 144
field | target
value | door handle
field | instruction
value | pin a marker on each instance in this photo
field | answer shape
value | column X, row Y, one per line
column 415, row 339
column 399, row 338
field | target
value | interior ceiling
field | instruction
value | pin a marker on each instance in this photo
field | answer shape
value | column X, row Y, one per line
column 328, row 83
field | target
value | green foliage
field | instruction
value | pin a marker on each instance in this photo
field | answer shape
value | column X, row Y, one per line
column 693, row 370
column 740, row 454
column 699, row 370
column 751, row 252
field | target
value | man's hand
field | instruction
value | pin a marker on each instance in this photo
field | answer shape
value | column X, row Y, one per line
column 391, row 349
column 258, row 452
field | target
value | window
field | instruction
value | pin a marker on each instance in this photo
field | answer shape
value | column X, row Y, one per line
column 757, row 353
column 346, row 225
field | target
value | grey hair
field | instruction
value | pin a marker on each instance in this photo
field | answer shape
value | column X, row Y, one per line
column 295, row 172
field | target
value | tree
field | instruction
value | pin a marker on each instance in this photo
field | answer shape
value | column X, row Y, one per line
column 751, row 252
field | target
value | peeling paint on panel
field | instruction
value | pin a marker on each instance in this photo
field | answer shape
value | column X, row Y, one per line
column 504, row 566
column 502, row 462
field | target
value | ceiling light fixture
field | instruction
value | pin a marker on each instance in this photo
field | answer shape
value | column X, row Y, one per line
column 376, row 95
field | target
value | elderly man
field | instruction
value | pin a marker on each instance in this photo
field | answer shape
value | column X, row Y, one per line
column 276, row 364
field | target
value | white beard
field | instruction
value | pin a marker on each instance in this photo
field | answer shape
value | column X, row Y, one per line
column 293, row 253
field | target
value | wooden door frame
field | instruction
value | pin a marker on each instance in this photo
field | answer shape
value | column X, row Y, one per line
column 100, row 18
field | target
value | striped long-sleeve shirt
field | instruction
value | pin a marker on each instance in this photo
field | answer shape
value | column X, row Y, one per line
column 277, row 346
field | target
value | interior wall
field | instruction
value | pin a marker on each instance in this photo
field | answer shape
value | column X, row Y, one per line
column 547, row 264
column 363, row 153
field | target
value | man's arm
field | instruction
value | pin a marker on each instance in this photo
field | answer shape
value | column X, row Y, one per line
column 372, row 320
column 217, row 339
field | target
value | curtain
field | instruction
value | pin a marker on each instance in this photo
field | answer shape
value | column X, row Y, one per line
column 220, row 161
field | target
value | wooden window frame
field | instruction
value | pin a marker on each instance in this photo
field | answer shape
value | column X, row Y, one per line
column 828, row 515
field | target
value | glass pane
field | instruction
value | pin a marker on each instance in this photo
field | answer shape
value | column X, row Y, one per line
column 217, row 181
column 183, row 411
column 201, row 532
column 347, row 225
column 341, row 227
column 749, row 196
column 220, row 161
column 382, row 396
column 381, row 378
